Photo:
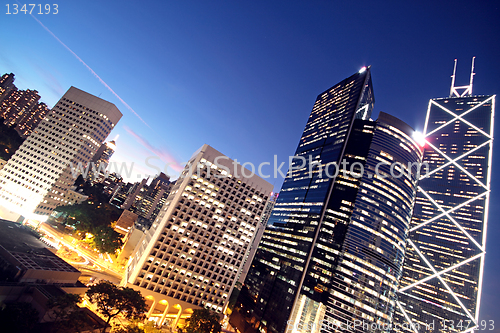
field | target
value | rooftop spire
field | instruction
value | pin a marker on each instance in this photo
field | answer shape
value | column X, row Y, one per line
column 466, row 90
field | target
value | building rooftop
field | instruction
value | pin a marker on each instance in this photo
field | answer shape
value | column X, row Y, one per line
column 22, row 243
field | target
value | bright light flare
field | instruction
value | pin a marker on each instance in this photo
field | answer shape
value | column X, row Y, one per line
column 419, row 137
column 362, row 70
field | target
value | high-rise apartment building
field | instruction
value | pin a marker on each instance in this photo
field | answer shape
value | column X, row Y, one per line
column 151, row 199
column 191, row 256
column 28, row 121
column 18, row 104
column 441, row 283
column 6, row 85
column 334, row 248
column 20, row 108
column 37, row 176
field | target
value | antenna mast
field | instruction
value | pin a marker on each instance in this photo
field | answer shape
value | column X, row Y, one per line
column 453, row 79
column 466, row 90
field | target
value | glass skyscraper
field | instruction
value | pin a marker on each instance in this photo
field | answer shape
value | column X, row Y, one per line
column 441, row 283
column 334, row 249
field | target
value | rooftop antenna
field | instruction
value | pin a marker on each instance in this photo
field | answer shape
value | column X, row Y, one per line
column 453, row 79
column 467, row 90
column 471, row 75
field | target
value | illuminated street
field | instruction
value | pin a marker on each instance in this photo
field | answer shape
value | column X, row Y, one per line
column 92, row 264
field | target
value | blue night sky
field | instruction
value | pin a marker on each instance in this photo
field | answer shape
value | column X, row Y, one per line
column 242, row 76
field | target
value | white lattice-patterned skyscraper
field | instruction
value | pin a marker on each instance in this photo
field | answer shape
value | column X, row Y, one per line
column 443, row 270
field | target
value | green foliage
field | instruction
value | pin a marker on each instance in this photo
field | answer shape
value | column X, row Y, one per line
column 150, row 327
column 66, row 313
column 234, row 296
column 203, row 321
column 95, row 193
column 106, row 239
column 9, row 140
column 18, row 318
column 132, row 328
column 95, row 218
column 112, row 300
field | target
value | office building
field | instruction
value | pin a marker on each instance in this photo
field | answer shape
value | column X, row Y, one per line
column 266, row 214
column 441, row 284
column 20, row 108
column 36, row 178
column 100, row 161
column 30, row 272
column 6, row 85
column 18, row 104
column 112, row 184
column 334, row 248
column 191, row 256
column 151, row 199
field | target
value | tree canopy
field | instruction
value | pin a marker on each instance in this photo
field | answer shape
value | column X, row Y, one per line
column 10, row 140
column 96, row 219
column 112, row 300
column 19, row 317
column 203, row 321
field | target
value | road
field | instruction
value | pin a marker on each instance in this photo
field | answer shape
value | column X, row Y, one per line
column 90, row 256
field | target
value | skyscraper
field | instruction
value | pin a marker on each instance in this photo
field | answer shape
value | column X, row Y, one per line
column 104, row 153
column 334, row 249
column 191, row 256
column 443, row 270
column 37, row 176
column 100, row 161
column 266, row 214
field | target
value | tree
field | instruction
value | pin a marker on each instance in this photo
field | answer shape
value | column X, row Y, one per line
column 65, row 312
column 10, row 140
column 234, row 296
column 107, row 240
column 95, row 219
column 132, row 328
column 18, row 318
column 150, row 327
column 203, row 321
column 112, row 300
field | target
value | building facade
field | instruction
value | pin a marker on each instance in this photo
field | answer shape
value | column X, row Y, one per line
column 20, row 108
column 36, row 178
column 27, row 122
column 100, row 162
column 6, row 85
column 266, row 214
column 441, row 285
column 334, row 248
column 191, row 256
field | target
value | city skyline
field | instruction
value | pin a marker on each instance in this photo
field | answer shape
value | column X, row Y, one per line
column 415, row 66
